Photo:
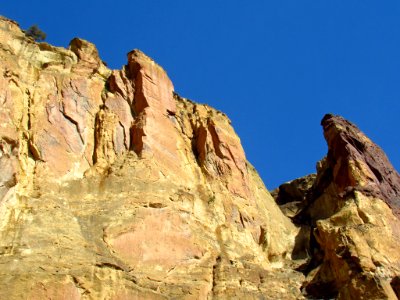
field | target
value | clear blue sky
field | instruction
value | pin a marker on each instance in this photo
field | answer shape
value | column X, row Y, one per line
column 275, row 67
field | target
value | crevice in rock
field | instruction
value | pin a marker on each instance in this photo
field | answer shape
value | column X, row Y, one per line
column 215, row 139
column 29, row 113
column 157, row 205
column 96, row 137
column 356, row 144
column 137, row 134
column 126, row 144
column 110, row 266
column 242, row 221
column 74, row 122
column 263, row 238
column 215, row 270
column 199, row 144
column 33, row 151
column 83, row 290
column 376, row 172
column 395, row 283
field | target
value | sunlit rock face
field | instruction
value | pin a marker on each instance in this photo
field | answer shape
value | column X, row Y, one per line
column 114, row 187
column 352, row 208
column 355, row 208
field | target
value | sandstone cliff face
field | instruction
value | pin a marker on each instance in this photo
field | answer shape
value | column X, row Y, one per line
column 114, row 187
column 352, row 207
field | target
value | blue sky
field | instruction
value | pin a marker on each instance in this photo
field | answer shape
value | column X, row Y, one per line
column 275, row 67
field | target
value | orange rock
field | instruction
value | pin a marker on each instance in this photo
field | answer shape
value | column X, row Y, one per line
column 54, row 290
column 353, row 206
column 161, row 240
column 114, row 187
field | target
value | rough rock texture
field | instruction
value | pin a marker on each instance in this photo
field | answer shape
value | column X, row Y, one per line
column 358, row 164
column 114, row 187
column 292, row 196
column 353, row 210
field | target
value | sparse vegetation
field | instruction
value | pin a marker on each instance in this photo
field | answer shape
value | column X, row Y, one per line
column 35, row 33
column 211, row 199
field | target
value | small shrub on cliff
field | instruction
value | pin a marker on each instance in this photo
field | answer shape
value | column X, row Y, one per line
column 35, row 33
column 211, row 199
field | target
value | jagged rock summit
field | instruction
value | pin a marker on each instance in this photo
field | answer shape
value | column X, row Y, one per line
column 351, row 207
column 114, row 187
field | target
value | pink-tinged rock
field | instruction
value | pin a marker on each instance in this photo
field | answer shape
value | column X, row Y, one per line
column 54, row 290
column 154, row 131
column 119, row 83
column 161, row 240
column 88, row 57
column 63, row 128
column 9, row 136
column 9, row 165
column 7, row 104
column 219, row 151
column 109, row 138
column 153, row 88
column 120, row 107
column 187, row 217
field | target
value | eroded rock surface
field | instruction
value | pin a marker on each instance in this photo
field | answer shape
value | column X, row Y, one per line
column 114, row 187
column 358, row 164
column 353, row 210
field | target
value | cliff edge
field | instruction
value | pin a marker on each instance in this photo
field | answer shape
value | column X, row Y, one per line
column 112, row 186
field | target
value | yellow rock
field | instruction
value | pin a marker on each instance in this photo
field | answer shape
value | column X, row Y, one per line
column 113, row 187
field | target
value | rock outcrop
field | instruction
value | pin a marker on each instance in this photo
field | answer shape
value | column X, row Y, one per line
column 352, row 207
column 112, row 186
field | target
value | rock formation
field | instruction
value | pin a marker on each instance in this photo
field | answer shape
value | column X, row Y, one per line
column 352, row 208
column 114, row 187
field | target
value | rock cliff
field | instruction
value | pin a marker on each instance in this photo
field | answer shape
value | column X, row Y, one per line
column 351, row 206
column 112, row 186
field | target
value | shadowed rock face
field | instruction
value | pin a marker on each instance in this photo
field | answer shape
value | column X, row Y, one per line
column 357, row 164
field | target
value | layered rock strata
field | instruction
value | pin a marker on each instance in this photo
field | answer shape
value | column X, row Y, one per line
column 114, row 187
